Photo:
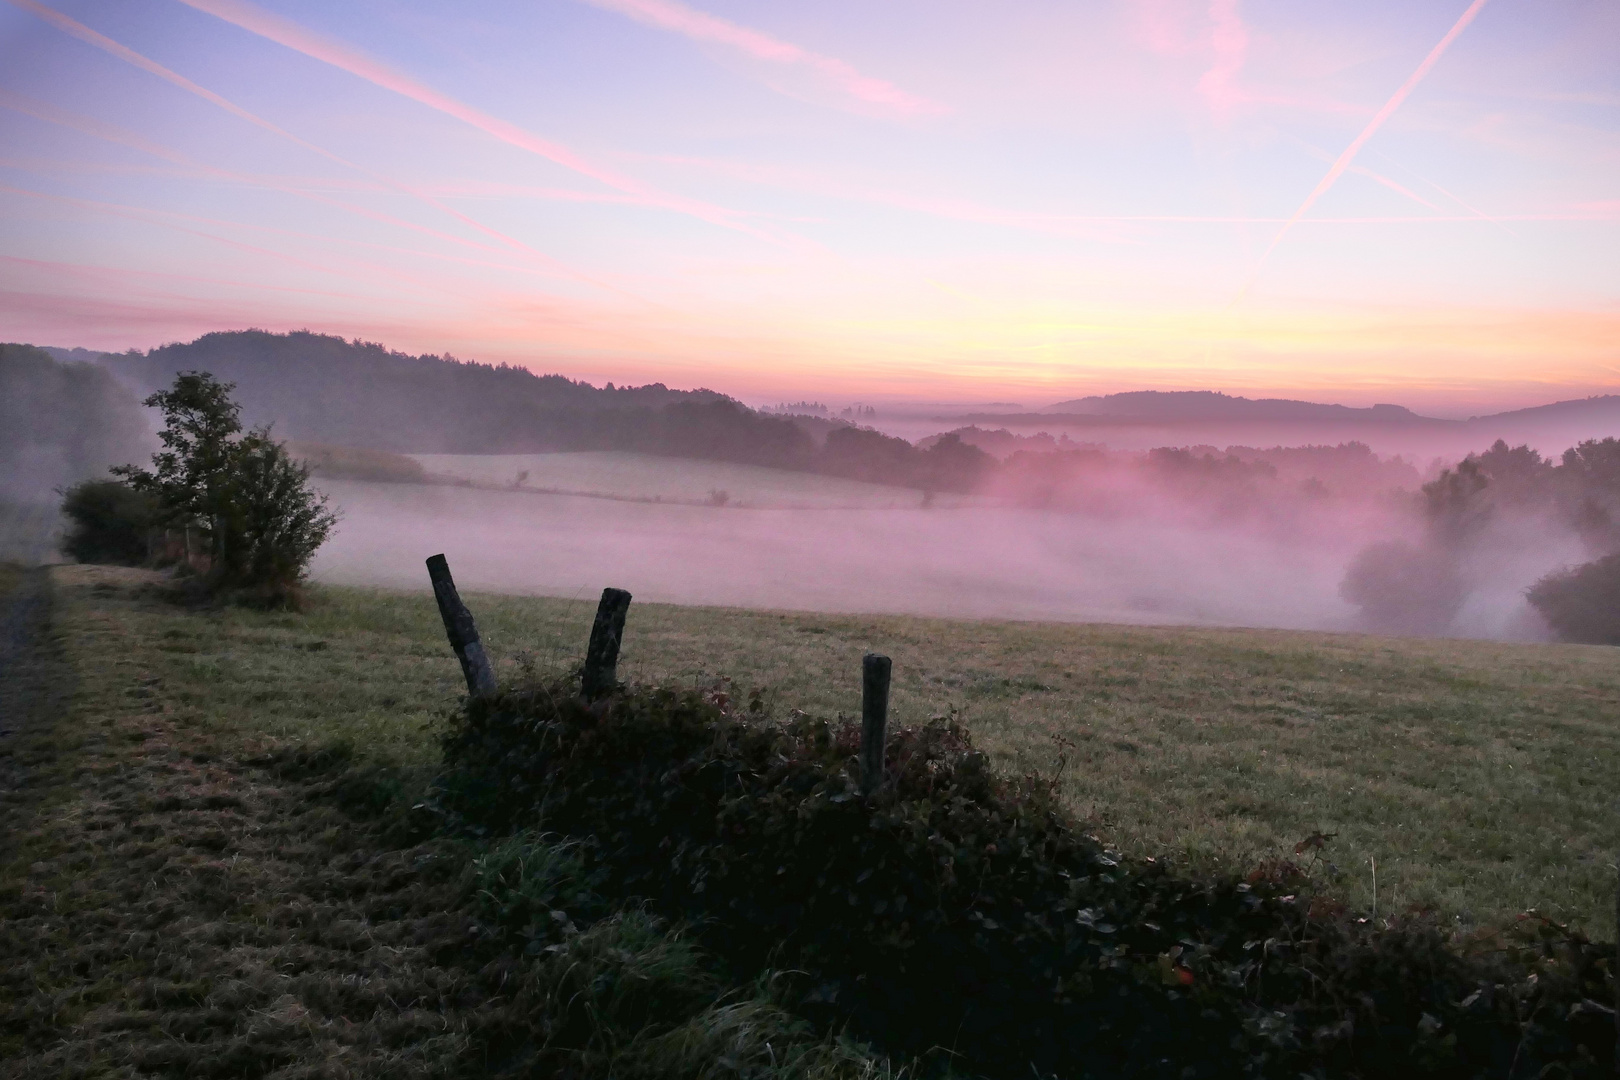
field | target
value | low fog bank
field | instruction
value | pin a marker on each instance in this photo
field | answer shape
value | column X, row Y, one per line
column 1549, row 430
column 969, row 562
column 61, row 423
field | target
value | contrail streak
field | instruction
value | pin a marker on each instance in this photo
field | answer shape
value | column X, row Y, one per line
column 85, row 125
column 284, row 32
column 136, row 213
column 1380, row 178
column 700, row 26
column 1343, row 162
column 106, row 44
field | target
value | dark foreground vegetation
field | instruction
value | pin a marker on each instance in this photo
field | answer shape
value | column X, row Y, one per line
column 965, row 914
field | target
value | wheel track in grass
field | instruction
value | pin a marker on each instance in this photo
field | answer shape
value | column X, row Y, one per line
column 171, row 905
column 35, row 686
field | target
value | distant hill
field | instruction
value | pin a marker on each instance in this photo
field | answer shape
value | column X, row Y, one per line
column 1161, row 405
column 1603, row 407
column 320, row 388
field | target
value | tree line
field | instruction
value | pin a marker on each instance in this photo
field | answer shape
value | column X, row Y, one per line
column 1470, row 511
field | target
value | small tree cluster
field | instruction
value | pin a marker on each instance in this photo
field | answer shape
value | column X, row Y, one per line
column 257, row 521
column 1420, row 587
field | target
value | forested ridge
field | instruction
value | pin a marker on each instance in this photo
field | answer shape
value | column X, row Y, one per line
column 325, row 389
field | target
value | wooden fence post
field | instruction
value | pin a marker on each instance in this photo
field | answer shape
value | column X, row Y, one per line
column 602, row 657
column 875, row 671
column 460, row 628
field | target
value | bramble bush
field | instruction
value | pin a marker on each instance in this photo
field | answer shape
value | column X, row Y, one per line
column 962, row 915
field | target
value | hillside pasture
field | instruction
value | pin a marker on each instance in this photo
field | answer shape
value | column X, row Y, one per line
column 651, row 478
column 1479, row 776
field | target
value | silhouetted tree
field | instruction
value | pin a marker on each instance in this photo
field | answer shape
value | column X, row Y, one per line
column 249, row 502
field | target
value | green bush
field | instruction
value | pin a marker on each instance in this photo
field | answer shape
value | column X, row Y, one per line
column 1582, row 604
column 110, row 522
column 965, row 910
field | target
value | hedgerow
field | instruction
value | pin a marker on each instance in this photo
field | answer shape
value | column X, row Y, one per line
column 962, row 915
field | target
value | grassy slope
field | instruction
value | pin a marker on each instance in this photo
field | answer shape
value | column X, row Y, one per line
column 1477, row 774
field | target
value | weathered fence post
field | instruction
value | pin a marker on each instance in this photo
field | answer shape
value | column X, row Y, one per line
column 602, row 657
column 460, row 628
column 874, row 718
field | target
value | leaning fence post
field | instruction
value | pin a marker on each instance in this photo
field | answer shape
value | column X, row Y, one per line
column 874, row 718
column 602, row 657
column 460, row 628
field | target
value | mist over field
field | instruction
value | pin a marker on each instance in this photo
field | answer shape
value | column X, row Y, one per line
column 980, row 562
column 1162, row 563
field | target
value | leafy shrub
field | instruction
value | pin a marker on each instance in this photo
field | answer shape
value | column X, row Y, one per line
column 111, row 522
column 962, row 909
column 1582, row 604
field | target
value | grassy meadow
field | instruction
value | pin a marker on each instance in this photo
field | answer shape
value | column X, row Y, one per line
column 649, row 477
column 1478, row 775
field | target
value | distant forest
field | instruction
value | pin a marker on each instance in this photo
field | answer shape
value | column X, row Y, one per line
column 323, row 389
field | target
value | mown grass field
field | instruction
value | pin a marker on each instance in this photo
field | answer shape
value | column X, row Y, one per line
column 1479, row 776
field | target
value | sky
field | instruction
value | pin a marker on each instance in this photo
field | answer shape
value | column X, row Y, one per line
column 1414, row 201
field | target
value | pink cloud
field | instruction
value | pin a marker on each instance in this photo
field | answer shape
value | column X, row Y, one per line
column 1165, row 27
column 182, row 222
column 1101, row 227
column 1188, row 28
column 1229, row 40
column 865, row 92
